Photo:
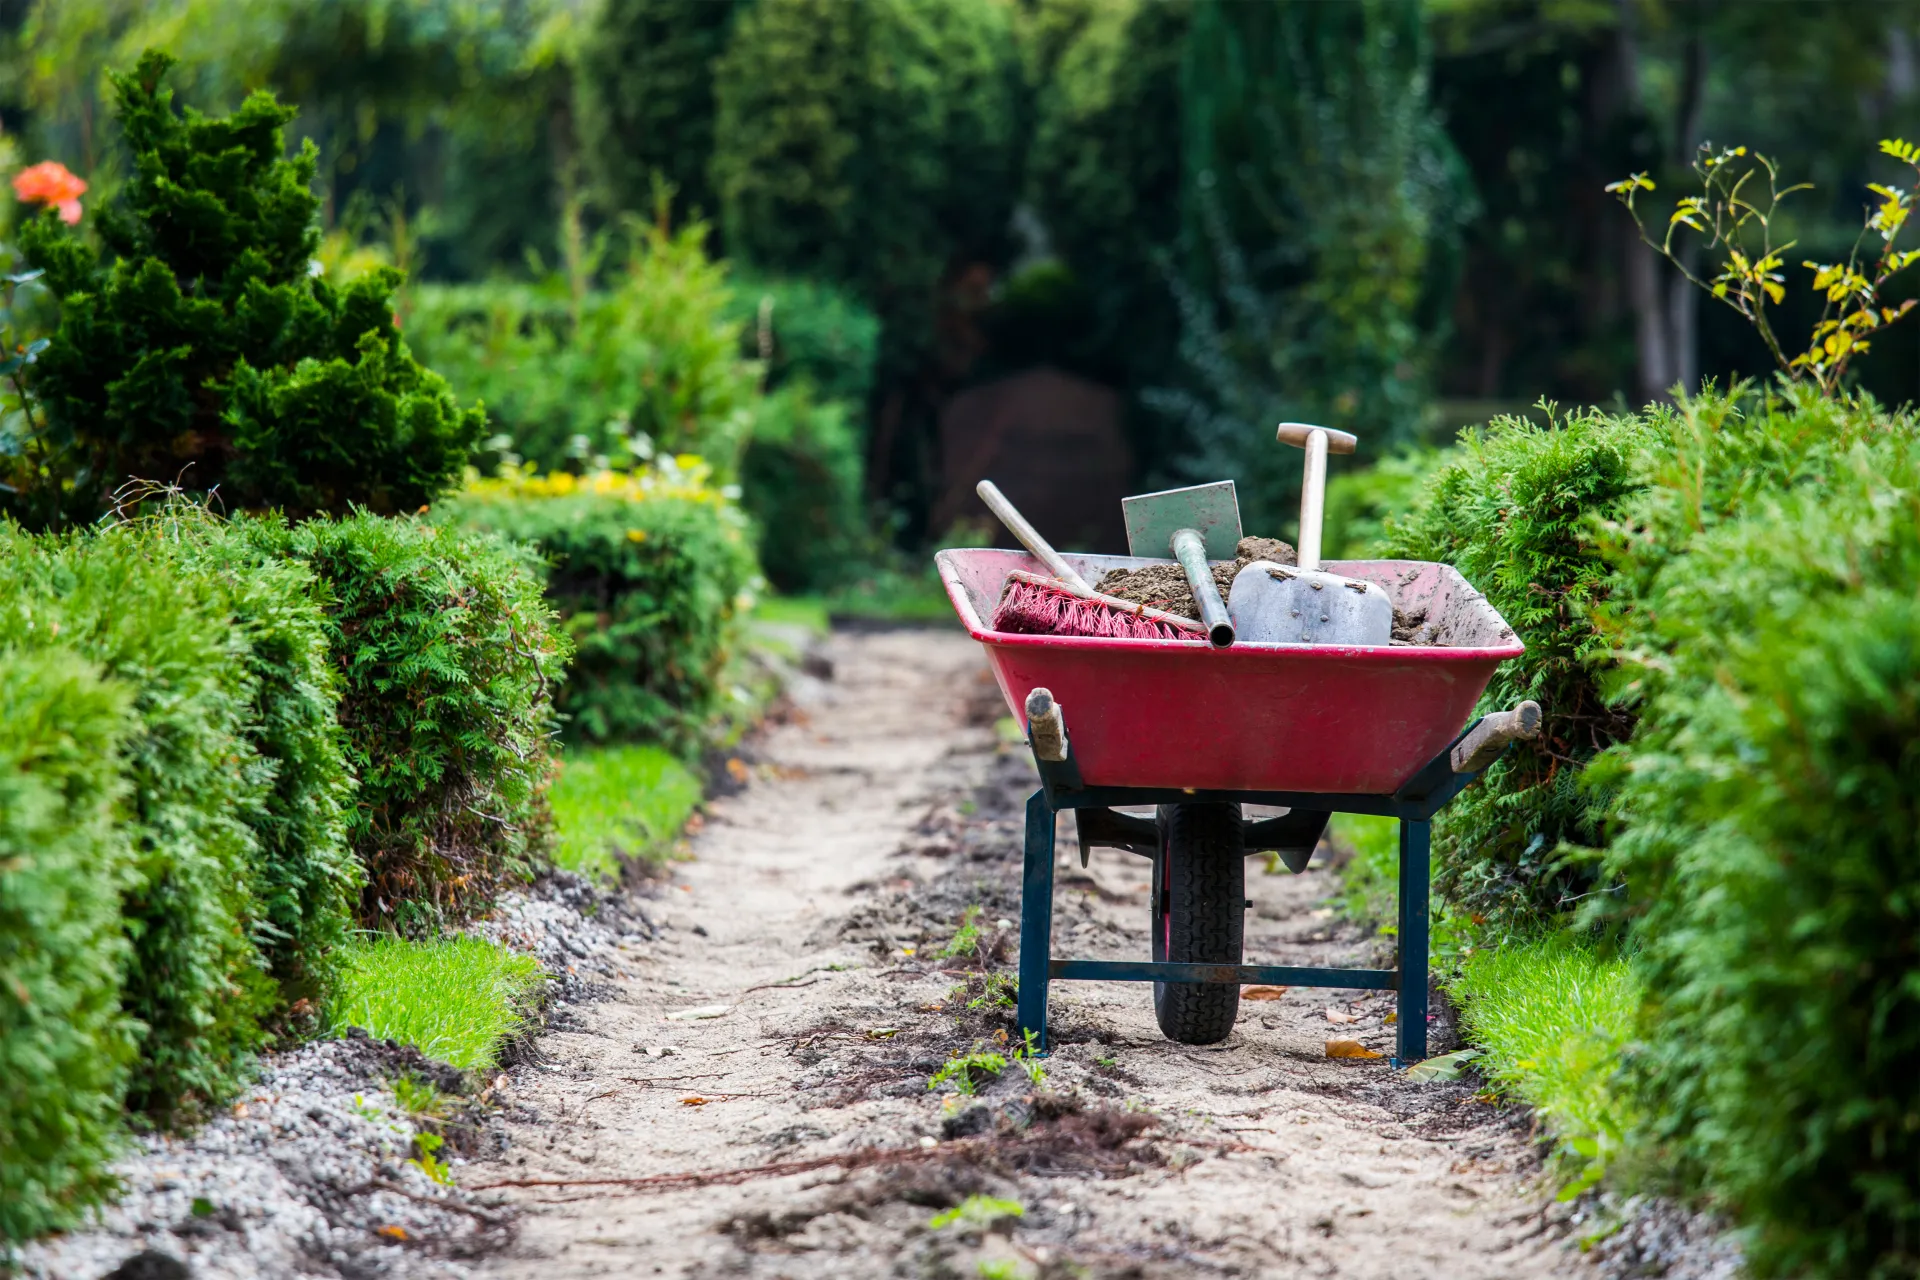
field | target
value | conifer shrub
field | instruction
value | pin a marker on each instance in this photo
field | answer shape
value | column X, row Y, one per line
column 647, row 571
column 445, row 658
column 306, row 878
column 193, row 980
column 1516, row 509
column 64, row 1042
column 801, row 482
column 1767, row 803
column 200, row 347
column 808, row 331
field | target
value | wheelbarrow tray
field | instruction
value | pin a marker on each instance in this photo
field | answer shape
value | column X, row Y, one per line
column 1329, row 719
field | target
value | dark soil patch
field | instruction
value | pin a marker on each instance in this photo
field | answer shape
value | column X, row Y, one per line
column 1164, row 586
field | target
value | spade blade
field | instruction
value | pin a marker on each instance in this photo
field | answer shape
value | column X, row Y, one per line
column 1280, row 604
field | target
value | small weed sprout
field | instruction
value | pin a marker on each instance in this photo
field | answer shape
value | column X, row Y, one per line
column 1029, row 1059
column 968, row 1071
column 418, row 1097
column 366, row 1110
column 976, row 1213
column 428, row 1161
column 967, row 941
column 997, row 991
column 1000, row 1269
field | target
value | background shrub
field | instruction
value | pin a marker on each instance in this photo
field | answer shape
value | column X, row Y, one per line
column 193, row 980
column 647, row 574
column 202, row 341
column 64, row 1043
column 653, row 361
column 445, row 656
column 808, row 331
column 801, row 482
column 1768, row 843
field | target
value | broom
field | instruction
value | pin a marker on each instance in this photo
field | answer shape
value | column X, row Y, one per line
column 1064, row 605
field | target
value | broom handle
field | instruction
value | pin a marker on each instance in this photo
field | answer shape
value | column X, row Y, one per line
column 1030, row 537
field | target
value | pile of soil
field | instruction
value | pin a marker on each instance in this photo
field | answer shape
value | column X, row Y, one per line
column 1164, row 586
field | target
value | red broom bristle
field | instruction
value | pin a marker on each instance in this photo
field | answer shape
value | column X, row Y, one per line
column 1026, row 608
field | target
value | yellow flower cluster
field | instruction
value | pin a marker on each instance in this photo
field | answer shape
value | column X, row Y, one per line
column 687, row 476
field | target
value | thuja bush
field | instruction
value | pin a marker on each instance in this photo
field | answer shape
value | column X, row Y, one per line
column 193, row 981
column 1516, row 509
column 1769, row 843
column 64, row 1042
column 648, row 570
column 445, row 657
column 306, row 880
column 195, row 344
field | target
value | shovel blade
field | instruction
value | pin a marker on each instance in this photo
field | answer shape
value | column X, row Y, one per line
column 1211, row 510
column 1279, row 604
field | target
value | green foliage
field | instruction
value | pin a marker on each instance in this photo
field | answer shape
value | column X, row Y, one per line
column 1363, row 501
column 865, row 144
column 202, row 341
column 610, row 802
column 801, row 482
column 648, row 574
column 1515, row 510
column 643, row 89
column 650, row 363
column 306, row 878
column 811, row 332
column 121, row 599
column 1323, row 192
column 458, row 1000
column 1768, row 808
column 64, row 1043
column 1552, row 1016
column 1104, row 174
column 966, row 1072
column 976, row 1213
column 445, row 656
column 966, row 939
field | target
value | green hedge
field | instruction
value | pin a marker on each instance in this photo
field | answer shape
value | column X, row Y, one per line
column 445, row 657
column 1768, row 810
column 648, row 581
column 1515, row 508
column 123, row 600
column 64, row 1043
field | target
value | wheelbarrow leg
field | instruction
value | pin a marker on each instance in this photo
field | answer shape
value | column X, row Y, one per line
column 1416, row 847
column 1036, row 920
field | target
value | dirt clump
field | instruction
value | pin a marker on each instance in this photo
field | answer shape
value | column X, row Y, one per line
column 1164, row 586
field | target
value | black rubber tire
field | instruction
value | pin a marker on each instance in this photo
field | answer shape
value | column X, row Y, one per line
column 1199, row 916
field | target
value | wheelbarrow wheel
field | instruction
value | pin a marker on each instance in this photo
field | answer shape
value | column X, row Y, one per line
column 1199, row 903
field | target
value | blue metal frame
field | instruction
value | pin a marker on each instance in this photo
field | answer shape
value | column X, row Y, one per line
column 1414, row 804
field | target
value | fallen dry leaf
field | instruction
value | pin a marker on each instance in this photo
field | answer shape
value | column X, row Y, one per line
column 392, row 1232
column 737, row 769
column 1343, row 1048
column 1262, row 993
column 702, row 1011
column 1342, row 1017
column 696, row 1100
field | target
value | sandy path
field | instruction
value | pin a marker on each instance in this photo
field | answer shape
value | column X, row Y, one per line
column 880, row 811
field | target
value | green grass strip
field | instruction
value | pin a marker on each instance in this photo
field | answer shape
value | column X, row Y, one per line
column 456, row 1000
column 614, row 800
column 1550, row 1016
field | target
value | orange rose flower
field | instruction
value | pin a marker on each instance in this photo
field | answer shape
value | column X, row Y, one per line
column 50, row 182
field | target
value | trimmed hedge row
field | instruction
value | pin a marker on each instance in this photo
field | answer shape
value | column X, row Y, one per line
column 648, row 571
column 1719, row 607
column 184, row 706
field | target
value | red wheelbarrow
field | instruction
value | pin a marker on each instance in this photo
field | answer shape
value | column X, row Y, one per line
column 1197, row 732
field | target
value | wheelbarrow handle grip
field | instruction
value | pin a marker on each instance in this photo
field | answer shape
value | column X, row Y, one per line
column 1297, row 434
column 1483, row 745
column 1030, row 537
column 1046, row 727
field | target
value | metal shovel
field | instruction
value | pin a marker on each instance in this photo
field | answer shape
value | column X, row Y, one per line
column 1285, row 604
column 1195, row 524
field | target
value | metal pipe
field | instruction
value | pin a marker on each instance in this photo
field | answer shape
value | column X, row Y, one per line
column 1191, row 551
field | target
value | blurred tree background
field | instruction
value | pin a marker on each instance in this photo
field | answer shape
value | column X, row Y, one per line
column 1385, row 214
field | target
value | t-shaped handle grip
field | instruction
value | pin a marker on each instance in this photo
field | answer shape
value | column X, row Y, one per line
column 1297, row 434
column 1318, row 442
